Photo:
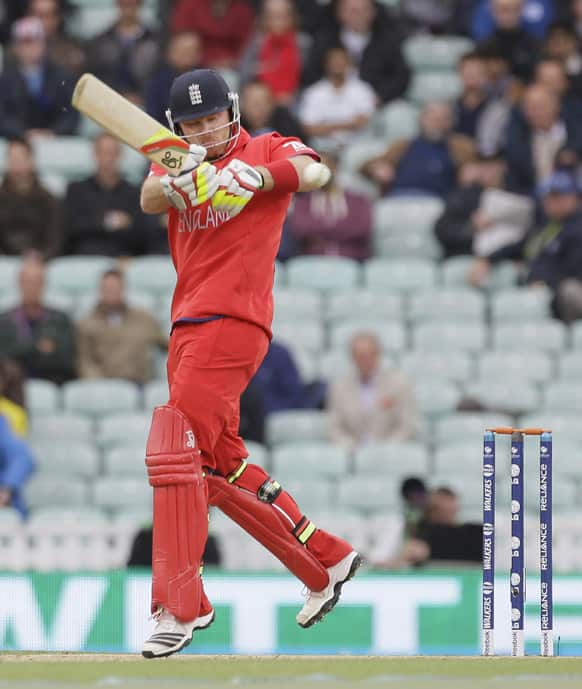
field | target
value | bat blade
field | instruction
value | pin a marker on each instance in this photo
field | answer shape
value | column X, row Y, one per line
column 124, row 120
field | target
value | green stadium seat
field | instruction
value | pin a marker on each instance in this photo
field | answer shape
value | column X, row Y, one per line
column 293, row 426
column 307, row 364
column 468, row 487
column 297, row 304
column 395, row 459
column 280, row 274
column 337, row 362
column 374, row 303
column 115, row 493
column 126, row 460
column 545, row 335
column 153, row 274
column 69, row 156
column 42, row 396
column 446, row 305
column 9, row 268
column 65, row 458
column 93, row 18
column 61, row 427
column 564, row 494
column 404, row 275
column 576, row 330
column 304, row 460
column 429, row 86
column 397, row 120
column 520, row 304
column 355, row 154
column 456, row 365
column 100, row 397
column 123, row 429
column 462, row 425
column 77, row 275
column 134, row 166
column 155, row 394
column 436, row 396
column 322, row 272
column 425, row 52
column 47, row 491
column 55, row 183
column 563, row 396
column 307, row 335
column 535, row 367
column 570, row 366
column 64, row 519
column 62, row 301
column 258, row 454
column 367, row 494
column 435, row 337
column 564, row 424
column 399, row 215
column 310, row 495
column 514, row 396
column 463, row 456
column 417, row 243
column 454, row 271
column 392, row 336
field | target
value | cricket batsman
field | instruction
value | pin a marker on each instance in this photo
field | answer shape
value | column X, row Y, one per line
column 225, row 216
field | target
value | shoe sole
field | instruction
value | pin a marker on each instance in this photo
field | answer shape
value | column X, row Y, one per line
column 329, row 605
column 150, row 654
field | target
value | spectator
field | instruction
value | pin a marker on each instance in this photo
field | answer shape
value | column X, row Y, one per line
column 373, row 41
column 12, row 397
column 432, row 16
column 35, row 94
column 16, row 467
column 512, row 41
column 117, row 340
column 279, row 380
column 371, row 403
column 474, row 98
column 426, row 164
column 224, row 26
column 340, row 105
column 332, row 220
column 10, row 11
column 102, row 211
column 562, row 44
column 552, row 75
column 576, row 17
column 30, row 217
column 414, row 495
column 536, row 132
column 63, row 50
column 41, row 339
column 124, row 56
column 260, row 114
column 252, row 413
column 273, row 55
column 534, row 16
column 184, row 52
column 141, row 550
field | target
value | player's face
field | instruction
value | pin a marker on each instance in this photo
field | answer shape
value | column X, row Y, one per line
column 212, row 132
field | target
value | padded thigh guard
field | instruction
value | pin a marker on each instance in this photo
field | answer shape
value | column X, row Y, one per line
column 180, row 522
column 265, row 521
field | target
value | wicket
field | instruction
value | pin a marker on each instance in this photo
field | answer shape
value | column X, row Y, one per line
column 517, row 569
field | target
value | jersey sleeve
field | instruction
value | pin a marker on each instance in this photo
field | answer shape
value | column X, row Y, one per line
column 283, row 147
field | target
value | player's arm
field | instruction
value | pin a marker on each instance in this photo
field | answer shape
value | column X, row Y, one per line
column 153, row 198
column 306, row 181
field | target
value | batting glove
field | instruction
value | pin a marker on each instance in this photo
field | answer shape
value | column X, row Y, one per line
column 194, row 158
column 192, row 188
column 238, row 183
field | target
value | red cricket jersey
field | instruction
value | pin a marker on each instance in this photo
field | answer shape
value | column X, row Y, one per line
column 226, row 266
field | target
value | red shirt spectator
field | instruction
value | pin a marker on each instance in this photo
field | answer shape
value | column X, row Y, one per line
column 224, row 26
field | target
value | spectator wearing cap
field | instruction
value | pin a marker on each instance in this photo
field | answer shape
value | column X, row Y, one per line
column 426, row 164
column 562, row 44
column 35, row 93
column 261, row 114
column 225, row 27
column 30, row 217
column 125, row 55
column 332, row 221
column 372, row 38
column 16, row 467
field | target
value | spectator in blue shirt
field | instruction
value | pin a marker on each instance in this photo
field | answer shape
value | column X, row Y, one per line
column 16, row 466
column 280, row 381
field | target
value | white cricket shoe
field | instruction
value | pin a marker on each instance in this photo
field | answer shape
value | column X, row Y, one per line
column 170, row 635
column 319, row 603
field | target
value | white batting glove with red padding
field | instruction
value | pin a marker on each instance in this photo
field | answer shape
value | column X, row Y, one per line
column 238, row 183
column 192, row 188
column 195, row 157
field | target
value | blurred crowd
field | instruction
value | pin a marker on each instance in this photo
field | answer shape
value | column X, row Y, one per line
column 504, row 156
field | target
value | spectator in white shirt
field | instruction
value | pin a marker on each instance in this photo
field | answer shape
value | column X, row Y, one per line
column 339, row 105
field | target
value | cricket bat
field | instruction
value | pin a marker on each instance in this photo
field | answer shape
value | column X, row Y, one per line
column 129, row 124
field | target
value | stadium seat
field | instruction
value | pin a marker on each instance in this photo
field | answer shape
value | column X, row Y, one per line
column 564, row 424
column 301, row 460
column 307, row 335
column 392, row 336
column 126, row 460
column 355, row 154
column 401, row 214
column 511, row 395
column 346, row 524
column 297, row 304
column 564, row 494
column 366, row 494
column 463, row 456
column 536, row 367
column 48, row 491
column 462, row 425
column 337, row 362
column 468, row 487
column 134, row 166
column 121, row 493
column 435, row 337
column 307, row 363
column 153, row 274
column 55, row 183
column 520, row 304
column 447, row 305
column 41, row 396
column 394, row 458
column 61, row 427
column 426, row 52
column 77, row 275
column 9, row 268
column 69, row 156
column 65, row 459
column 417, row 243
column 121, row 429
column 576, row 335
column 545, row 335
column 436, row 396
column 455, row 365
column 155, row 393
column 99, row 397
column 93, row 18
column 293, row 426
column 62, row 301
column 454, row 271
column 404, row 275
column 570, row 366
column 258, row 454
column 429, row 86
column 563, row 397
column 322, row 272
column 346, row 304
column 397, row 120
column 280, row 275
column 311, row 495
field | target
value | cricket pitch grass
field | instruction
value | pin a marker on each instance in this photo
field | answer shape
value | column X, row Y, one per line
column 80, row 671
